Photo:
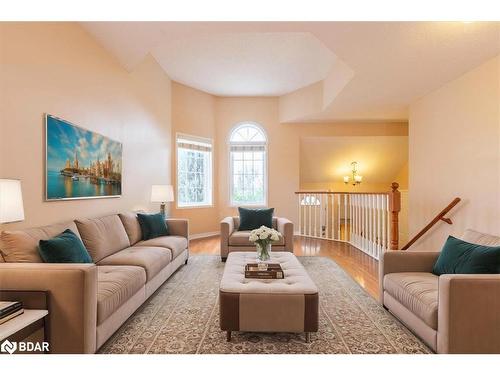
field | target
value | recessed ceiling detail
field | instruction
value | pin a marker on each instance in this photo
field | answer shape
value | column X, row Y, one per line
column 322, row 71
column 246, row 64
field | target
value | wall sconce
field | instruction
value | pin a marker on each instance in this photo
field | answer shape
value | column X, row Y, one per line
column 355, row 178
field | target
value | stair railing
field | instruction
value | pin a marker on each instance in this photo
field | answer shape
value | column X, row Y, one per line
column 368, row 221
column 439, row 217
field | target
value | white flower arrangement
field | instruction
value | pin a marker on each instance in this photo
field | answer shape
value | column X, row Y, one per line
column 264, row 236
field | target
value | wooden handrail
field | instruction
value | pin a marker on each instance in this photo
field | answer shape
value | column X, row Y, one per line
column 439, row 217
column 338, row 192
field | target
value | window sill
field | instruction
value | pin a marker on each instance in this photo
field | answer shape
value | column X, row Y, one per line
column 195, row 207
column 259, row 205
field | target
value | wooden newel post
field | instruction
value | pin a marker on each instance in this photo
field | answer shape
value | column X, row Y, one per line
column 394, row 208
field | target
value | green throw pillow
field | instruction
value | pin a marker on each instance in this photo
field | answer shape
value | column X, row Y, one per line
column 152, row 226
column 458, row 256
column 66, row 247
column 251, row 219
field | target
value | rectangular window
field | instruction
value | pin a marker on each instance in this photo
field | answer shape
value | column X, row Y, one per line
column 248, row 175
column 194, row 171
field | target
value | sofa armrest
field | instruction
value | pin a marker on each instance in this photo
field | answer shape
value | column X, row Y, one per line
column 226, row 229
column 72, row 300
column 469, row 314
column 285, row 227
column 404, row 261
column 178, row 227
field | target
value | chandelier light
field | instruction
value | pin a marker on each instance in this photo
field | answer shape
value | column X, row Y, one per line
column 355, row 178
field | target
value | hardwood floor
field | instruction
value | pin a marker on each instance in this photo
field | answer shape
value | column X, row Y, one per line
column 361, row 267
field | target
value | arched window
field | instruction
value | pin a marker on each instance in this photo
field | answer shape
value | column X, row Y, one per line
column 248, row 162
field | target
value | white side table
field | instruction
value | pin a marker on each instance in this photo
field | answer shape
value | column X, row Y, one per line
column 30, row 330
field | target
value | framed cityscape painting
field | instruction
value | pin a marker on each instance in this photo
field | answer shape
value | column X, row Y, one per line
column 80, row 164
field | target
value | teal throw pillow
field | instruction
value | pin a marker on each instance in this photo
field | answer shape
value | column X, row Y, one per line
column 251, row 219
column 458, row 256
column 152, row 226
column 66, row 247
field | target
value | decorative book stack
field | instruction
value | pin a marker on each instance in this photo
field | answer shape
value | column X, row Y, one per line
column 9, row 310
column 264, row 271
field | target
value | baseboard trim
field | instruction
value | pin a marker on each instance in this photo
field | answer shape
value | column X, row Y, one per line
column 203, row 235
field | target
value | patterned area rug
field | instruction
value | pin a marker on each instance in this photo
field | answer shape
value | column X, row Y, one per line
column 183, row 317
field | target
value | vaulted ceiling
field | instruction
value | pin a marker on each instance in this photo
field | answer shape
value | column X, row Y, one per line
column 322, row 71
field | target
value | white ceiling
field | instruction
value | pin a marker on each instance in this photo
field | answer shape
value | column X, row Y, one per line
column 326, row 159
column 246, row 64
column 393, row 63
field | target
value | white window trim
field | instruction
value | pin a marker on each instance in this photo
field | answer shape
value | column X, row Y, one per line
column 231, row 203
column 193, row 138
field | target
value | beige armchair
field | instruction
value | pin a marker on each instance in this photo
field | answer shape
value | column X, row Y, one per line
column 451, row 313
column 231, row 239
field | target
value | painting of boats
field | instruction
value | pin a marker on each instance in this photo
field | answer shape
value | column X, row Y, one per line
column 80, row 164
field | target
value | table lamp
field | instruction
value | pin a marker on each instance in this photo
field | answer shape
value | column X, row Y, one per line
column 162, row 194
column 11, row 201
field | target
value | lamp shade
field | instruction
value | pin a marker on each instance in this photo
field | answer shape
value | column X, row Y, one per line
column 162, row 193
column 11, row 201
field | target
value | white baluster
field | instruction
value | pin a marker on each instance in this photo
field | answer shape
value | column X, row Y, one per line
column 321, row 215
column 327, row 214
column 309, row 216
column 384, row 222
column 300, row 213
column 339, row 217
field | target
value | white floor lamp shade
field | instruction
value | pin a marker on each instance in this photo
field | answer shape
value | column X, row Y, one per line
column 11, row 201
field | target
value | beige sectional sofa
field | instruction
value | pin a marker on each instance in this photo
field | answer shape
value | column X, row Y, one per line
column 89, row 302
column 457, row 313
column 232, row 239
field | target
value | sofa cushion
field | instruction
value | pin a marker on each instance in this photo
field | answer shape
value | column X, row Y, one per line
column 236, row 221
column 21, row 246
column 240, row 238
column 176, row 244
column 103, row 236
column 66, row 247
column 417, row 291
column 461, row 257
column 152, row 259
column 479, row 238
column 255, row 218
column 132, row 226
column 152, row 225
column 115, row 286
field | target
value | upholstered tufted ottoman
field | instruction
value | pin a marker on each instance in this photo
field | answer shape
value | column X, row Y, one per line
column 253, row 305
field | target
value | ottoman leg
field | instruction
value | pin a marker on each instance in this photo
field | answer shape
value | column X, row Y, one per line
column 228, row 335
column 308, row 337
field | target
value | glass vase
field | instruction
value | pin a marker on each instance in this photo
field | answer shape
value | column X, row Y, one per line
column 263, row 252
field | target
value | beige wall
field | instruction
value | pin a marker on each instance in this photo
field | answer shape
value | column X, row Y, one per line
column 193, row 113
column 200, row 114
column 59, row 69
column 283, row 143
column 455, row 152
column 403, row 176
column 282, row 157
